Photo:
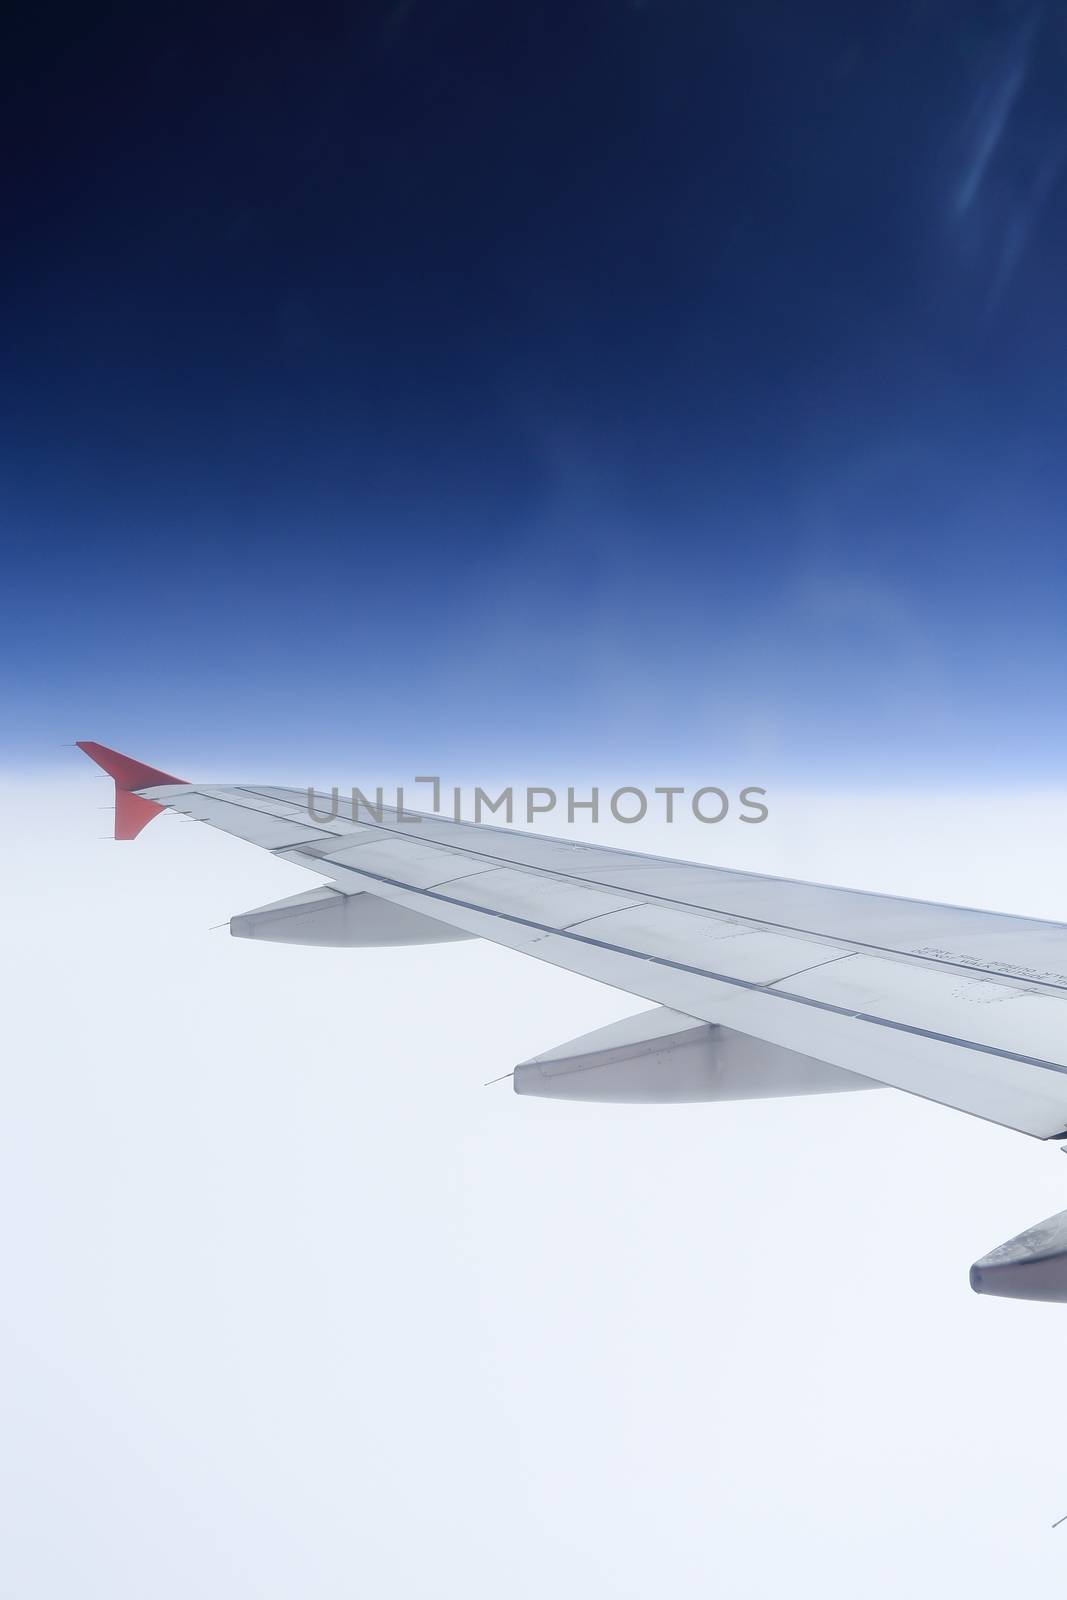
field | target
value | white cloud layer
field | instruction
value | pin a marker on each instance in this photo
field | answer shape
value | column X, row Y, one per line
column 292, row 1305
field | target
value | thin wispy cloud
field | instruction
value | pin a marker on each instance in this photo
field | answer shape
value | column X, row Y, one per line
column 993, row 115
column 1023, row 223
column 1011, row 159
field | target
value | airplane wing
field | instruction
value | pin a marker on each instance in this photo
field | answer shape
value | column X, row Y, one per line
column 765, row 985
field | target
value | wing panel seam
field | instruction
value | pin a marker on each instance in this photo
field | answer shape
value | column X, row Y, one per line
column 910, row 1028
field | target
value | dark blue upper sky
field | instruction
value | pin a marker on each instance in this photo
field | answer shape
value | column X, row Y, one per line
column 662, row 381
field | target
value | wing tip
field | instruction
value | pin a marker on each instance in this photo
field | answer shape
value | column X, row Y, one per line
column 133, row 811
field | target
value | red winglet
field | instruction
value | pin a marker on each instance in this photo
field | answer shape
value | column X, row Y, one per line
column 132, row 811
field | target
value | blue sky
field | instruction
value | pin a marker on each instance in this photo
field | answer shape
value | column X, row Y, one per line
column 631, row 385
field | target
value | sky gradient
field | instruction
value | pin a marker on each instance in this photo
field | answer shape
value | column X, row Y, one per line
column 646, row 384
